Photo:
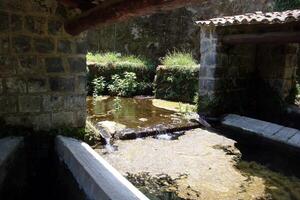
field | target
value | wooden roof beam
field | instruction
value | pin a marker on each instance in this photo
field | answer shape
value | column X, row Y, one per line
column 110, row 13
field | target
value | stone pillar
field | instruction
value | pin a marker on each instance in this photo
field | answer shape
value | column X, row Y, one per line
column 42, row 68
column 208, row 64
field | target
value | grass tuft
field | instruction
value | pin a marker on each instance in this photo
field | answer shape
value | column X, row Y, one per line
column 179, row 59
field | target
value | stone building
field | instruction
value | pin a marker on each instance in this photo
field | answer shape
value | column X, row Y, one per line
column 42, row 68
column 241, row 52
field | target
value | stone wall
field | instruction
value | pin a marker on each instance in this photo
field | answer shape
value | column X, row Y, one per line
column 241, row 78
column 42, row 69
column 153, row 36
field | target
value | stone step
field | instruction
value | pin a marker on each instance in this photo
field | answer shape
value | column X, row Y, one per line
column 286, row 135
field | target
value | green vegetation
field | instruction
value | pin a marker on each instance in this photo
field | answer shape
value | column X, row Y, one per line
column 177, row 80
column 112, row 58
column 99, row 86
column 281, row 5
column 179, row 59
column 117, row 104
column 109, row 64
column 125, row 86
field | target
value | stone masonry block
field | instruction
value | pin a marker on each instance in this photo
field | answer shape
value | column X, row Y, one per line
column 1, row 86
column 21, row 44
column 30, row 103
column 16, row 22
column 4, row 45
column 55, row 27
column 63, row 119
column 8, row 104
column 7, row 66
column 36, row 85
column 54, row 65
column 4, row 19
column 15, row 85
column 42, row 121
column 35, row 24
column 64, row 46
column 53, row 103
column 44, row 45
column 30, row 65
column 77, row 65
column 59, row 84
column 75, row 102
column 82, row 84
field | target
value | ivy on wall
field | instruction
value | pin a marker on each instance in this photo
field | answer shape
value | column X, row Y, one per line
column 281, row 5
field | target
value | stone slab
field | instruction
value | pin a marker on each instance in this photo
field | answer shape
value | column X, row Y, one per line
column 295, row 140
column 264, row 129
column 285, row 134
column 97, row 178
column 8, row 147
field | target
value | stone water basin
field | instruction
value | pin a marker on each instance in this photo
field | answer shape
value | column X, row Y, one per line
column 139, row 116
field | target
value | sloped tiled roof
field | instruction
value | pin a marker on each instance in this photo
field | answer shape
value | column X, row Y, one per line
column 254, row 18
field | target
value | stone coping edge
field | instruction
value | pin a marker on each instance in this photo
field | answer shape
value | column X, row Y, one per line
column 8, row 147
column 98, row 179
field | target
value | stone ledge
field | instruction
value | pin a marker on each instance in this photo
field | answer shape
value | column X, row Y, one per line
column 97, row 178
column 275, row 132
column 8, row 146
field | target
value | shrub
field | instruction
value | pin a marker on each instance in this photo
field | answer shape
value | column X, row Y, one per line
column 178, row 79
column 109, row 64
column 99, row 86
column 125, row 86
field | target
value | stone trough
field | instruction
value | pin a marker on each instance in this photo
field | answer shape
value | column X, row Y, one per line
column 68, row 169
column 270, row 131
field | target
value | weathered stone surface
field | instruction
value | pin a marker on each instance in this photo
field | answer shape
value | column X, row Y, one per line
column 30, row 103
column 77, row 64
column 44, row 45
column 94, row 175
column 64, row 46
column 60, row 84
column 107, row 129
column 53, row 103
column 21, row 44
column 4, row 19
column 4, row 45
column 15, row 85
column 74, row 102
column 265, row 129
column 81, row 47
column 54, row 64
column 36, row 85
column 29, row 65
column 16, row 23
column 8, row 104
column 1, row 86
column 82, row 84
column 7, row 66
column 35, row 25
column 63, row 119
column 55, row 27
column 295, row 140
column 42, row 121
column 285, row 134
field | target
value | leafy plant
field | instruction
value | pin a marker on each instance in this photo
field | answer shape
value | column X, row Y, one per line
column 117, row 104
column 99, row 86
column 125, row 86
column 179, row 59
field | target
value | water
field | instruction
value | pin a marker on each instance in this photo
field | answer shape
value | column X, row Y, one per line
column 134, row 113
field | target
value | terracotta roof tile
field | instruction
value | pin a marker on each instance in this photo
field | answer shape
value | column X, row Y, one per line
column 254, row 18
